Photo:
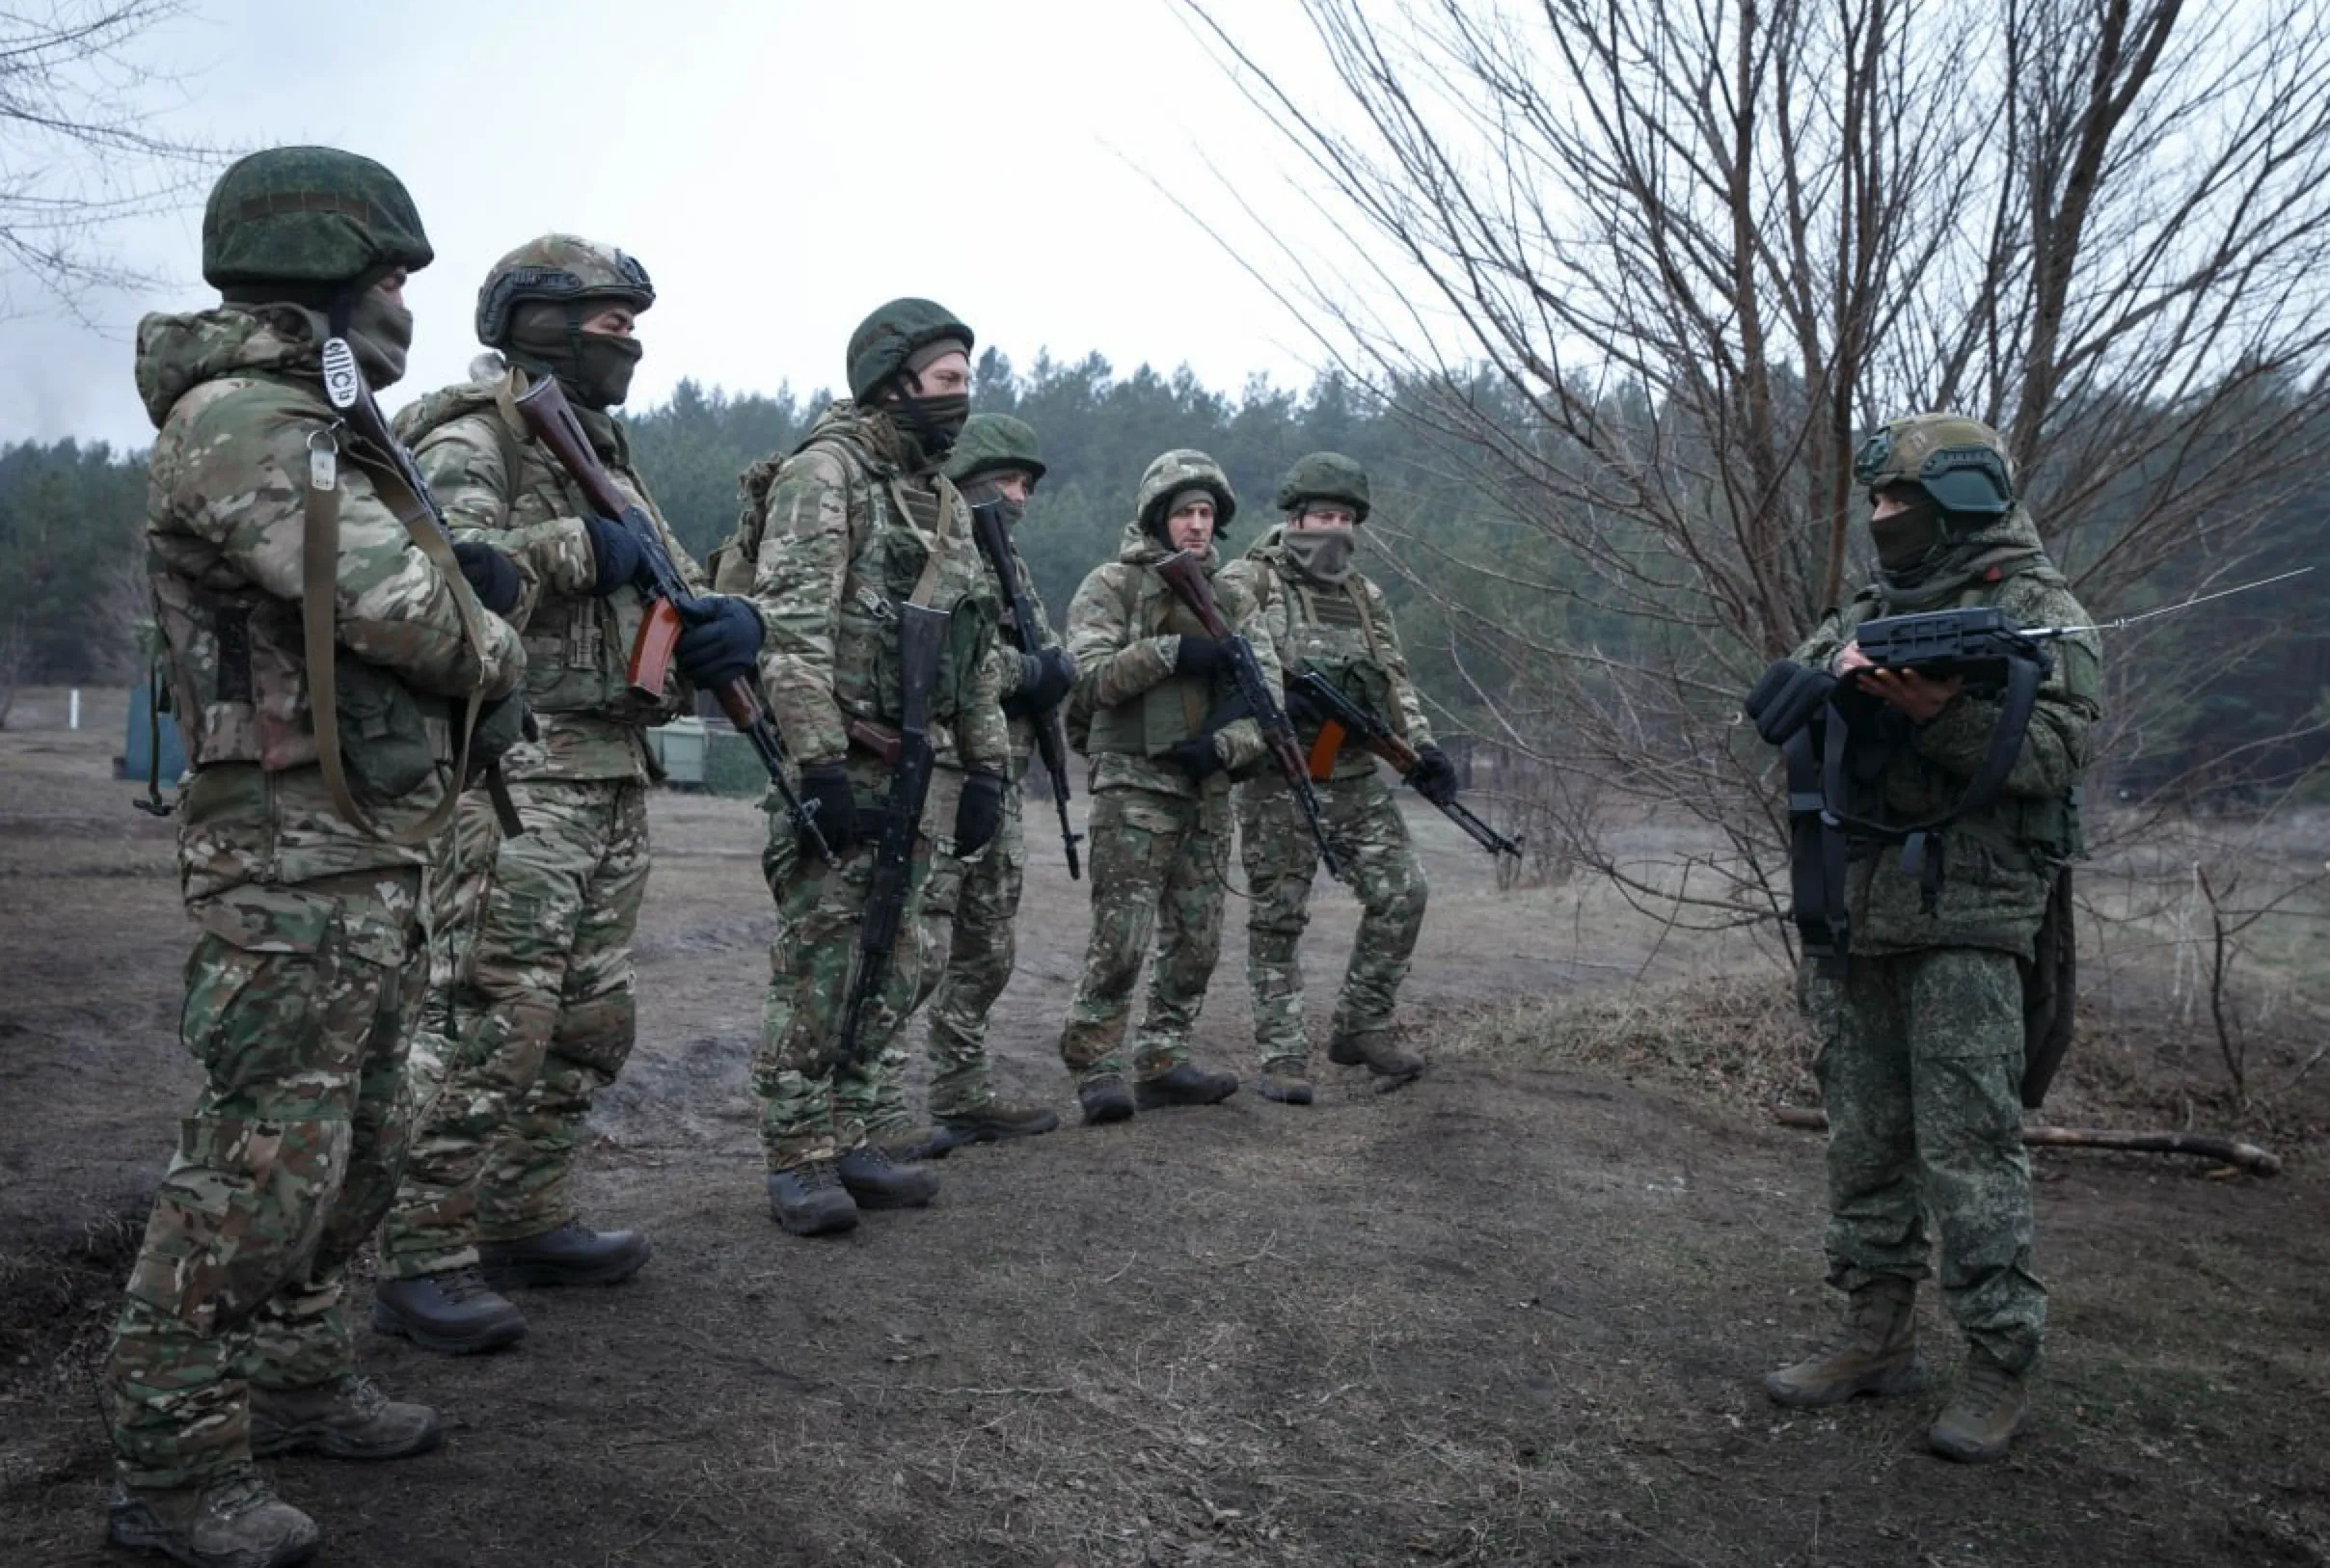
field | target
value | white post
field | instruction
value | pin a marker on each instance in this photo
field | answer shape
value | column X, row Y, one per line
column 74, row 721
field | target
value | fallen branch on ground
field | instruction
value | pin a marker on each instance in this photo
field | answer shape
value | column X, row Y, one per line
column 2208, row 1146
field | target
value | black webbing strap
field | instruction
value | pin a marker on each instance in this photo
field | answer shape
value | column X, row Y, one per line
column 1921, row 853
column 1816, row 855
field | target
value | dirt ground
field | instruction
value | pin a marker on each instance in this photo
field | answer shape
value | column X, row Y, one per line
column 1512, row 1314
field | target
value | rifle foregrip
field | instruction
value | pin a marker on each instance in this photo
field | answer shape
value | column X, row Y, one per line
column 651, row 651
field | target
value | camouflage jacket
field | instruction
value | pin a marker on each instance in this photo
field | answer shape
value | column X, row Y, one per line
column 1341, row 630
column 1124, row 631
column 1998, row 862
column 236, row 396
column 497, row 484
column 834, row 541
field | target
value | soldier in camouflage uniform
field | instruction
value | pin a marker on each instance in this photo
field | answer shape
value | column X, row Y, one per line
column 303, row 983
column 1921, row 1064
column 538, row 1008
column 1325, row 616
column 971, row 905
column 859, row 518
column 1147, row 680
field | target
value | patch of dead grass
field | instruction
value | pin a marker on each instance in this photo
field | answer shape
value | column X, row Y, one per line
column 1735, row 1039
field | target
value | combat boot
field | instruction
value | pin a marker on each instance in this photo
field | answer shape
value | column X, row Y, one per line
column 1104, row 1100
column 573, row 1254
column 455, row 1313
column 1878, row 1353
column 907, row 1144
column 1284, row 1081
column 1979, row 1423
column 1377, row 1054
column 810, row 1200
column 992, row 1121
column 236, row 1521
column 348, row 1419
column 874, row 1180
column 1187, row 1084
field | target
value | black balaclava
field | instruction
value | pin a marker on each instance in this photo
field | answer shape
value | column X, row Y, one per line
column 547, row 337
column 1910, row 541
column 933, row 422
column 379, row 331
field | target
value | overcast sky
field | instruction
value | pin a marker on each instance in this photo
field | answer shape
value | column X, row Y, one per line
column 779, row 166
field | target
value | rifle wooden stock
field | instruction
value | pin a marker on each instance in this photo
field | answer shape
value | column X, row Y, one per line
column 868, row 736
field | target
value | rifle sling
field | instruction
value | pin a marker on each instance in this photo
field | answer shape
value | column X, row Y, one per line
column 1821, row 826
column 319, row 606
column 1816, row 859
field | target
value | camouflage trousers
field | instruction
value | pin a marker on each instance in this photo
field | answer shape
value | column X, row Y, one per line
column 298, row 997
column 969, row 911
column 1370, row 839
column 538, row 1014
column 811, row 1108
column 1156, row 870
column 1920, row 1068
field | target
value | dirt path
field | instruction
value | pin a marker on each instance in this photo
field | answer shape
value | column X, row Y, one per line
column 1505, row 1316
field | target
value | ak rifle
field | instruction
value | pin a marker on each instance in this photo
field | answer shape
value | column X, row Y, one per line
column 1051, row 740
column 1347, row 716
column 552, row 422
column 1183, row 574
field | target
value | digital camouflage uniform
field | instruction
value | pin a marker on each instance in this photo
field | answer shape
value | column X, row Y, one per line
column 303, row 982
column 970, row 908
column 1921, row 1042
column 540, row 1009
column 1159, row 840
column 1342, row 631
column 835, row 533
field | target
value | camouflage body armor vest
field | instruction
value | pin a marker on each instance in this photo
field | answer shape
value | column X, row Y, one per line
column 578, row 646
column 238, row 669
column 1329, row 630
column 1172, row 710
column 906, row 524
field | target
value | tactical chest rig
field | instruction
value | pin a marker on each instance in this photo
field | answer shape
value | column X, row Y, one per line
column 1838, row 740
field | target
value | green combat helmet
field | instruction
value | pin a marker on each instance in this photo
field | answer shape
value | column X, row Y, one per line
column 1958, row 461
column 557, row 267
column 884, row 341
column 991, row 443
column 1175, row 471
column 309, row 215
column 1324, row 476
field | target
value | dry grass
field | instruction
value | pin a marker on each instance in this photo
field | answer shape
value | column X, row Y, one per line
column 1735, row 1039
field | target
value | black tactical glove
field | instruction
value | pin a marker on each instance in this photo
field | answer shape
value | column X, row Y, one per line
column 1788, row 694
column 1044, row 680
column 616, row 554
column 489, row 576
column 1434, row 776
column 979, row 813
column 1200, row 655
column 824, row 791
column 720, row 642
column 1195, row 756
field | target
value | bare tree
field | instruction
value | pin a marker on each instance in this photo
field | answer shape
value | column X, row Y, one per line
column 1642, row 270
column 79, row 144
